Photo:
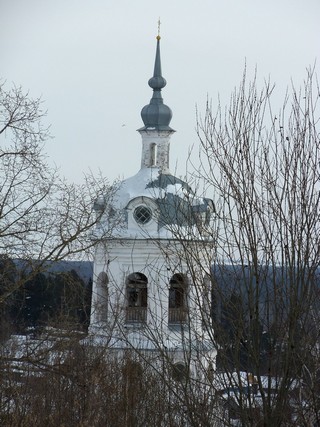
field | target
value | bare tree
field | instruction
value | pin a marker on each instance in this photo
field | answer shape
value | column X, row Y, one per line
column 260, row 254
column 255, row 266
column 43, row 217
column 262, row 170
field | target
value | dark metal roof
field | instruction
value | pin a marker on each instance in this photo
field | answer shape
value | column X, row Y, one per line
column 175, row 209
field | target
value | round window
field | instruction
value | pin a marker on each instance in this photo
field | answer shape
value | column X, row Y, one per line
column 142, row 214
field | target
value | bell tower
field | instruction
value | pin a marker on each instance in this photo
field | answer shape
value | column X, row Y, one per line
column 144, row 294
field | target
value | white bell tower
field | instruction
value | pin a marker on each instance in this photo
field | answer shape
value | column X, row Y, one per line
column 145, row 296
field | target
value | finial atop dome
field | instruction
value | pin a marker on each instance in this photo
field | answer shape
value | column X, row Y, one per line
column 159, row 23
column 157, row 115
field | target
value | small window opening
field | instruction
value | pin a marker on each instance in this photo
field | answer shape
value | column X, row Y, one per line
column 153, row 154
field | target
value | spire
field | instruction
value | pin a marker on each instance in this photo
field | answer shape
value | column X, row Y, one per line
column 156, row 115
column 157, row 82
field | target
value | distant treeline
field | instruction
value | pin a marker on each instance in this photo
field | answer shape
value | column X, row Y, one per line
column 32, row 298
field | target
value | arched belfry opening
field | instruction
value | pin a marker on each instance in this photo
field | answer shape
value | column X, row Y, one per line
column 137, row 297
column 102, row 296
column 178, row 298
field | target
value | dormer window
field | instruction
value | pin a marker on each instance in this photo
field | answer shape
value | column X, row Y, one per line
column 142, row 214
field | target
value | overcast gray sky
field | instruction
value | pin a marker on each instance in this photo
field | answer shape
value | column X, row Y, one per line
column 91, row 60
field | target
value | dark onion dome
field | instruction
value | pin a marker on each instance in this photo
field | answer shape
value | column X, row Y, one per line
column 156, row 115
